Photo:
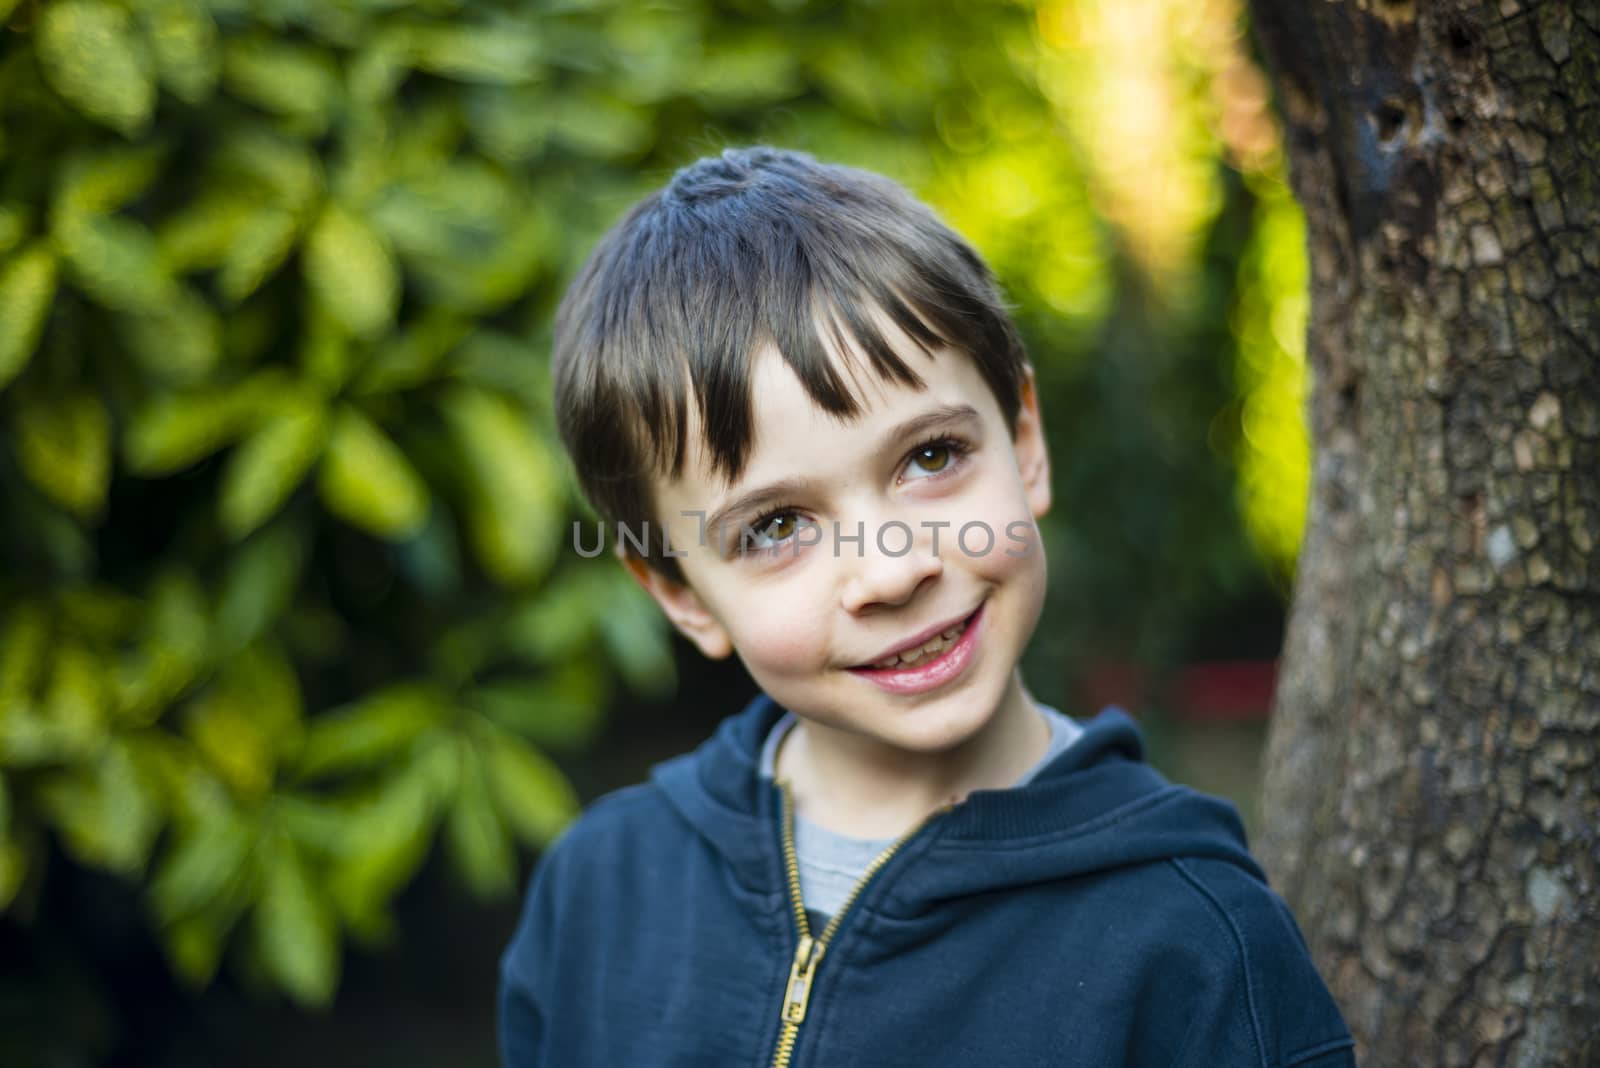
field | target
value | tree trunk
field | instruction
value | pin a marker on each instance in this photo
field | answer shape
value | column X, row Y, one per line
column 1431, row 808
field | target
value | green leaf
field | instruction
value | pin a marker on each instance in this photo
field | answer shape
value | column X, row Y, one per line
column 594, row 124
column 761, row 67
column 100, row 614
column 516, row 497
column 259, row 249
column 76, row 699
column 20, row 844
column 413, row 357
column 183, row 40
column 372, row 732
column 351, row 272
column 146, row 681
column 16, row 223
column 296, row 81
column 283, row 170
column 30, row 739
column 27, row 289
column 200, row 864
column 319, row 824
column 90, row 56
column 13, row 869
column 99, row 182
column 386, row 843
column 472, row 238
column 512, row 124
column 181, row 428
column 436, row 764
column 179, row 341
column 501, row 362
column 64, row 447
column 457, row 210
column 172, row 628
column 534, row 797
column 259, row 585
column 267, row 467
column 205, row 880
column 25, row 635
column 474, row 833
column 247, row 720
column 202, row 233
column 327, row 354
column 223, row 732
column 263, row 677
column 177, row 622
column 296, row 933
column 117, row 262
column 367, row 481
column 194, row 943
column 191, row 792
column 107, row 816
column 562, row 618
column 377, row 69
column 500, row 53
column 560, row 710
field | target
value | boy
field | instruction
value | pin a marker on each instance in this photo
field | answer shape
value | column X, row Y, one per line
column 893, row 855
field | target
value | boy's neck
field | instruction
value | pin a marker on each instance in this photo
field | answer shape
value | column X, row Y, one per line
column 856, row 787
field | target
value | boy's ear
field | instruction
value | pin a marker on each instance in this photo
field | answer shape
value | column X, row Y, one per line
column 1033, row 457
column 682, row 606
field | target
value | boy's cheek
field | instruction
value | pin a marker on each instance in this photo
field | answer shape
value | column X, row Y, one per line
column 997, row 530
column 781, row 644
column 1022, row 541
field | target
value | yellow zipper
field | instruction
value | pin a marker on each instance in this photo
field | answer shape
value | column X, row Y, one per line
column 808, row 954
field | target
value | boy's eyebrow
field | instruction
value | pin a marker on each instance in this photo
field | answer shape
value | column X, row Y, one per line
column 790, row 487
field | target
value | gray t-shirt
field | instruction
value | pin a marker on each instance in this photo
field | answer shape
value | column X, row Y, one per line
column 830, row 863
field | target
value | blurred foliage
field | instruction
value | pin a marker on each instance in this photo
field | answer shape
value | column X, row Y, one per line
column 284, row 589
column 1273, row 380
column 1136, row 209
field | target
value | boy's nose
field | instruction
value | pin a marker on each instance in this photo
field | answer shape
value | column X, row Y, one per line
column 882, row 573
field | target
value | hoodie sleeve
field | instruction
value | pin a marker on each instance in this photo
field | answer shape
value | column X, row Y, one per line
column 519, row 1023
column 1268, row 1006
column 524, row 968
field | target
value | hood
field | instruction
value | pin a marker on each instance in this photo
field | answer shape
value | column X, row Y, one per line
column 1097, row 805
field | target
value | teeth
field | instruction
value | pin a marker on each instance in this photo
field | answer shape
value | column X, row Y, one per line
column 931, row 648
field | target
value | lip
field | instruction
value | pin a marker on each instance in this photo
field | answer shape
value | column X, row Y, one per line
column 930, row 674
column 938, row 628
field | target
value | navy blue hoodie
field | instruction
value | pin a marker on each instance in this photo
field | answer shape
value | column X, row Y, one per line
column 1097, row 916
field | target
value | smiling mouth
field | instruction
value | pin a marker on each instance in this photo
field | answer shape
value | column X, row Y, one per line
column 931, row 649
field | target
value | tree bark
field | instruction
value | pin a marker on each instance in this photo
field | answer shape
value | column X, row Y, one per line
column 1431, row 808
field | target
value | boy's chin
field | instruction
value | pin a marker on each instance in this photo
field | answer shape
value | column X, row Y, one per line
column 925, row 732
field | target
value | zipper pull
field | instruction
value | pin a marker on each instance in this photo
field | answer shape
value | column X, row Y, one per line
column 807, row 955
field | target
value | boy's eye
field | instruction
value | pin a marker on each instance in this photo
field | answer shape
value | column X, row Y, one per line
column 933, row 458
column 778, row 527
column 937, row 457
column 769, row 531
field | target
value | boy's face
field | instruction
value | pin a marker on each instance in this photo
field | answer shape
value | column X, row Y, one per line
column 804, row 608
